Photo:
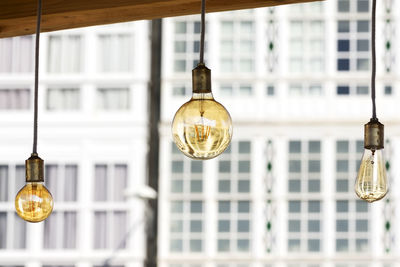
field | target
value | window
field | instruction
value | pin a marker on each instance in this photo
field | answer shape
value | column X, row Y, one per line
column 234, row 169
column 352, row 89
column 352, row 219
column 343, row 90
column 181, row 90
column 306, row 34
column 343, row 6
column 186, row 226
column 186, row 45
column 110, row 229
column 110, row 224
column 12, row 231
column 64, row 54
column 16, row 54
column 234, row 179
column 388, row 90
column 270, row 91
column 63, row 99
column 60, row 229
column 113, row 98
column 116, row 53
column 12, row 228
column 304, row 215
column 234, row 226
column 236, row 89
column 62, row 181
column 298, row 89
column 15, row 99
column 352, row 224
column 110, row 182
column 310, row 8
column 237, row 46
column 353, row 36
column 187, row 208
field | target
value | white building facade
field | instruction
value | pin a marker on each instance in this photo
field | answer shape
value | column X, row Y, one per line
column 295, row 80
column 93, row 138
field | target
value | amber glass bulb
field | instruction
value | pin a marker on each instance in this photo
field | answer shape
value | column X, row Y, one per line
column 34, row 202
column 202, row 127
column 371, row 183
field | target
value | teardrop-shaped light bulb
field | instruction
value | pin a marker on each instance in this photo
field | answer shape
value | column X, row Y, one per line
column 34, row 202
column 202, row 127
column 371, row 183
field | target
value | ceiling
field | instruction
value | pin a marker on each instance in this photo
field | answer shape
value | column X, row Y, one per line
column 17, row 17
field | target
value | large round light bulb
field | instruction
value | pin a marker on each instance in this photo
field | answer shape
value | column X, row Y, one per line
column 371, row 183
column 202, row 127
column 34, row 202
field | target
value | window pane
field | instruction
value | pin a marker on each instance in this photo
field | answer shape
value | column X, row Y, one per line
column 196, row 207
column 314, row 206
column 362, row 64
column 3, row 183
column 343, row 45
column 100, row 186
column 362, row 26
column 224, row 206
column 224, row 186
column 362, row 45
column 294, row 225
column 342, row 146
column 342, row 226
column 180, row 27
column 3, row 230
column 243, row 206
column 363, row 5
column 294, row 206
column 343, row 64
column 344, row 5
column 343, row 26
column 113, row 98
column 362, row 90
column 100, row 230
column 342, row 206
column 343, row 90
column 294, row 147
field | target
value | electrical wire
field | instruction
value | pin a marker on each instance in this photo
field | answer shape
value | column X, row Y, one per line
column 35, row 108
column 203, row 29
column 373, row 44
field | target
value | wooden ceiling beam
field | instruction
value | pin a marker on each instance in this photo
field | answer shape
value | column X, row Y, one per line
column 17, row 17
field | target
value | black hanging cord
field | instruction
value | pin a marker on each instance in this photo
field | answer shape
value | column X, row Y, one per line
column 373, row 76
column 35, row 108
column 203, row 29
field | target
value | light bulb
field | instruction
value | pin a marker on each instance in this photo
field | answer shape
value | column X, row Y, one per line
column 371, row 183
column 34, row 202
column 202, row 127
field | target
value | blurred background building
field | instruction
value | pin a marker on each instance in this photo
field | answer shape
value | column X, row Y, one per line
column 296, row 82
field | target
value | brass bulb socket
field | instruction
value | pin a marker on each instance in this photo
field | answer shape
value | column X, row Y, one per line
column 201, row 79
column 374, row 135
column 34, row 171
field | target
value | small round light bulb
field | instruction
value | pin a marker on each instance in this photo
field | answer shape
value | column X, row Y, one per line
column 34, row 202
column 202, row 127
